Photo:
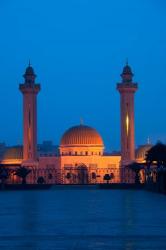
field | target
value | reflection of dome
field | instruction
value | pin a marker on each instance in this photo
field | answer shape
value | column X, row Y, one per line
column 13, row 153
column 142, row 150
column 81, row 135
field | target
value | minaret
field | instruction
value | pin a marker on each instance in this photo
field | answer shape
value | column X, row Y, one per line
column 127, row 88
column 29, row 90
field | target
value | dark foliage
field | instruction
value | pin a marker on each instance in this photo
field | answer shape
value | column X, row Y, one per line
column 40, row 180
column 157, row 155
column 108, row 177
column 4, row 175
column 136, row 167
column 22, row 172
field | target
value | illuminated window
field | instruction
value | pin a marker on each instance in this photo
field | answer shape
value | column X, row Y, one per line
column 127, row 123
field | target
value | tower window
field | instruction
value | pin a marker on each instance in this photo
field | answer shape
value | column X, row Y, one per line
column 29, row 118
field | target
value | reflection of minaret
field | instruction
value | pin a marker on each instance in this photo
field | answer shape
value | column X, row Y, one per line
column 29, row 90
column 127, row 88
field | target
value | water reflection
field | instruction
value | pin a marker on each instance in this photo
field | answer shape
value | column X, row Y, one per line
column 29, row 211
column 129, row 219
column 82, row 219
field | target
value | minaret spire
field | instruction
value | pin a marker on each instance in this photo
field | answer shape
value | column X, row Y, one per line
column 29, row 90
column 127, row 88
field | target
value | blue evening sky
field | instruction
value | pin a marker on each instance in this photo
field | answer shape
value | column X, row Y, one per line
column 78, row 49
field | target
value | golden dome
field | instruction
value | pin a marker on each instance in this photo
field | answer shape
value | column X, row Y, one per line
column 81, row 135
column 142, row 150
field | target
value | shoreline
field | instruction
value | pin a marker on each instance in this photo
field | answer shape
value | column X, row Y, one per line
column 123, row 186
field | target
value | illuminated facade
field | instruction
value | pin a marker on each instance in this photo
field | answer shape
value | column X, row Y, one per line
column 127, row 89
column 81, row 158
column 29, row 90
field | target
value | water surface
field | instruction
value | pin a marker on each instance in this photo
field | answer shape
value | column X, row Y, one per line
column 82, row 219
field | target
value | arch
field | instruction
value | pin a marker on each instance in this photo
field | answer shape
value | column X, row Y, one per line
column 82, row 174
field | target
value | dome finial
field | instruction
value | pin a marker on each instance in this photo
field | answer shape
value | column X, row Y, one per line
column 81, row 136
column 81, row 121
column 127, row 61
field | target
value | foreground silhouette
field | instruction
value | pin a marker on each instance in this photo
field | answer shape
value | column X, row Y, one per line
column 136, row 168
column 22, row 172
column 156, row 167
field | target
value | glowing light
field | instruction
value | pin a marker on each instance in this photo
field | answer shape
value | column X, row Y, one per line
column 127, row 124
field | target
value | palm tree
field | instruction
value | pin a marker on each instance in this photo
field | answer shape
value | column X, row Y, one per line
column 108, row 177
column 4, row 175
column 136, row 168
column 22, row 172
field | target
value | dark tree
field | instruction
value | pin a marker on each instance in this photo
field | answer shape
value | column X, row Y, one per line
column 136, row 167
column 4, row 175
column 157, row 155
column 22, row 172
column 108, row 177
column 40, row 180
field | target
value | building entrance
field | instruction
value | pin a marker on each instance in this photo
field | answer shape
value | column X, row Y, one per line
column 82, row 174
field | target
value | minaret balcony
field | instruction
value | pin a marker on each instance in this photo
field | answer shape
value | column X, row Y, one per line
column 127, row 85
column 25, row 88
